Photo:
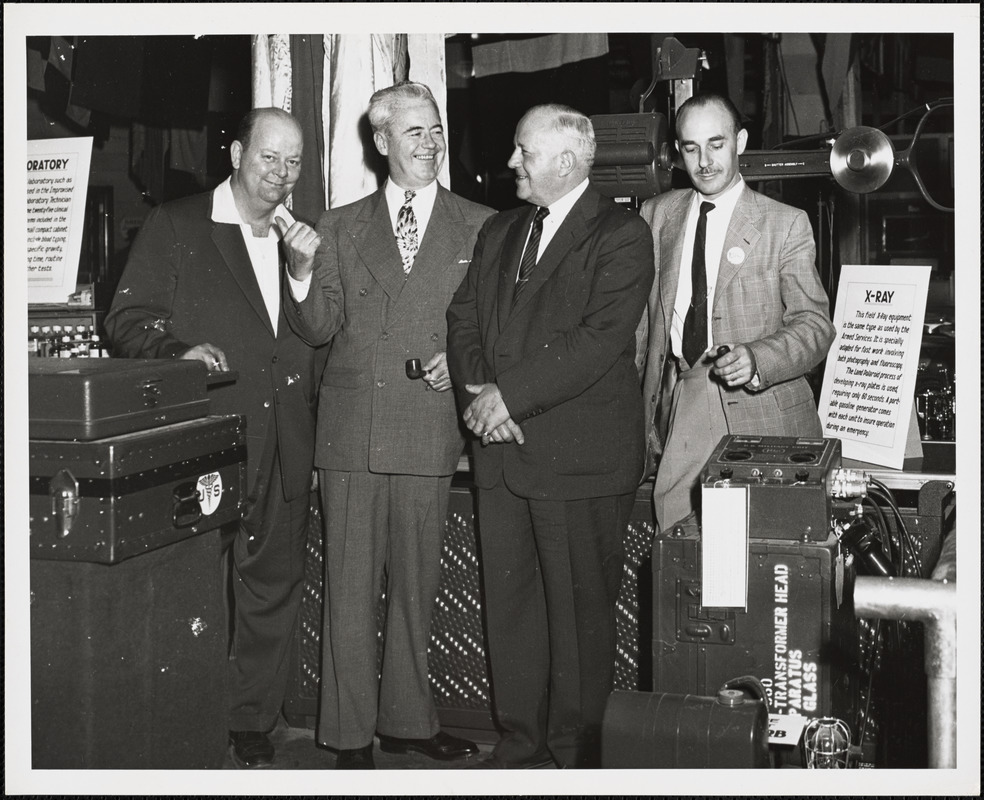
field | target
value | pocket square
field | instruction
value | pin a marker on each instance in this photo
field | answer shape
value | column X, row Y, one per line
column 464, row 261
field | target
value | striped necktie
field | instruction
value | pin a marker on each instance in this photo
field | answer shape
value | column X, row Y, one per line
column 528, row 261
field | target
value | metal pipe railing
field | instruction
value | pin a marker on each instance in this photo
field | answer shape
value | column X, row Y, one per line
column 934, row 604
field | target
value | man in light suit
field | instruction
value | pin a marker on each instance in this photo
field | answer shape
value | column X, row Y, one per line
column 385, row 271
column 541, row 346
column 203, row 282
column 735, row 269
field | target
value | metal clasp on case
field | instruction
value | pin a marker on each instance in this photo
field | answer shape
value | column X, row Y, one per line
column 185, row 508
column 64, row 491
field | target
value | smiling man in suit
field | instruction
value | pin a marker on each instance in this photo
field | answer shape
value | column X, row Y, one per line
column 541, row 346
column 737, row 269
column 387, row 447
column 203, row 282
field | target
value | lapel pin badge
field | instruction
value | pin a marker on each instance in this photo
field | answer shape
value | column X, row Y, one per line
column 736, row 256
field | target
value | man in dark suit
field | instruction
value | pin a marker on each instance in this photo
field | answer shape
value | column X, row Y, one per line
column 541, row 347
column 388, row 445
column 755, row 289
column 203, row 282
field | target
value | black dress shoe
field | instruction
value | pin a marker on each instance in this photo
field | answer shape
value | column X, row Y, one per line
column 251, row 749
column 441, row 746
column 493, row 762
column 360, row 758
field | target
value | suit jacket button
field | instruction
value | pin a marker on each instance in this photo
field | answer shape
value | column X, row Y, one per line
column 266, row 403
column 380, row 384
column 275, row 359
column 363, row 292
column 434, row 337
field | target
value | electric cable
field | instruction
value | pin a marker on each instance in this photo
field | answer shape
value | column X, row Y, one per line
column 905, row 539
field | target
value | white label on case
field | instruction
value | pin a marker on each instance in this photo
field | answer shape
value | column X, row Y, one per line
column 209, row 492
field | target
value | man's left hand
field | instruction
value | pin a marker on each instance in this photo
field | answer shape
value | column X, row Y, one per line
column 735, row 368
column 487, row 411
column 436, row 374
column 300, row 243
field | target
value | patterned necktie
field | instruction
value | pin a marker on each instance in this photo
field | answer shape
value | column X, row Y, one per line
column 406, row 231
column 695, row 324
column 528, row 261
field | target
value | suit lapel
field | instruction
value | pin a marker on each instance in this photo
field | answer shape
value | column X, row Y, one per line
column 229, row 242
column 372, row 232
column 671, row 236
column 445, row 235
column 512, row 251
column 740, row 240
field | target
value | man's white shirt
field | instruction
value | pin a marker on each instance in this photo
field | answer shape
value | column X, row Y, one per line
column 559, row 210
column 718, row 221
column 264, row 251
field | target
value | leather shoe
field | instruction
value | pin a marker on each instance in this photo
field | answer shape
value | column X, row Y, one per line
column 251, row 749
column 360, row 758
column 534, row 762
column 441, row 746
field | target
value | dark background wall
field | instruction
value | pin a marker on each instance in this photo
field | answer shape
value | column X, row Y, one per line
column 162, row 111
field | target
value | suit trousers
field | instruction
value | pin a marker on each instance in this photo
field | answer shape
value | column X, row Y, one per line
column 697, row 423
column 268, row 555
column 382, row 533
column 552, row 572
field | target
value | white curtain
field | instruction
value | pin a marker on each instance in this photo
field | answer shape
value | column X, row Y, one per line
column 355, row 66
column 271, row 71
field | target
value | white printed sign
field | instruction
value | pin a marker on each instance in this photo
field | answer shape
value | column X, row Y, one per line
column 724, row 547
column 870, row 375
column 57, row 183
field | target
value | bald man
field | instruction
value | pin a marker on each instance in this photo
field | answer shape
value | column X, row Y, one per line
column 203, row 282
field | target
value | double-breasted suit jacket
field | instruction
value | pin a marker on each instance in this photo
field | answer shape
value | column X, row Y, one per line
column 563, row 354
column 768, row 296
column 189, row 280
column 371, row 417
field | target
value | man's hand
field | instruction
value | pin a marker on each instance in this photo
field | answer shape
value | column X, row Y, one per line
column 209, row 354
column 487, row 411
column 300, row 243
column 508, row 431
column 735, row 368
column 436, row 374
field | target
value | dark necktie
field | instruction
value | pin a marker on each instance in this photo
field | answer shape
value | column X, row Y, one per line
column 406, row 231
column 528, row 261
column 695, row 324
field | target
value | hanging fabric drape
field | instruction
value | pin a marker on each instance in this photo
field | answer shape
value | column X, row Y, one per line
column 331, row 98
column 272, row 71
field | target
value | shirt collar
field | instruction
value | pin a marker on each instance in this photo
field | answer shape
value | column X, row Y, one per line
column 396, row 195
column 559, row 209
column 224, row 207
column 725, row 204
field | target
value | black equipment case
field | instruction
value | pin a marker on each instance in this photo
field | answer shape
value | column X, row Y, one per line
column 94, row 398
column 798, row 634
column 128, row 620
column 110, row 499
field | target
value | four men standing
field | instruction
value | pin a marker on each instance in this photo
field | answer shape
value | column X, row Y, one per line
column 537, row 308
